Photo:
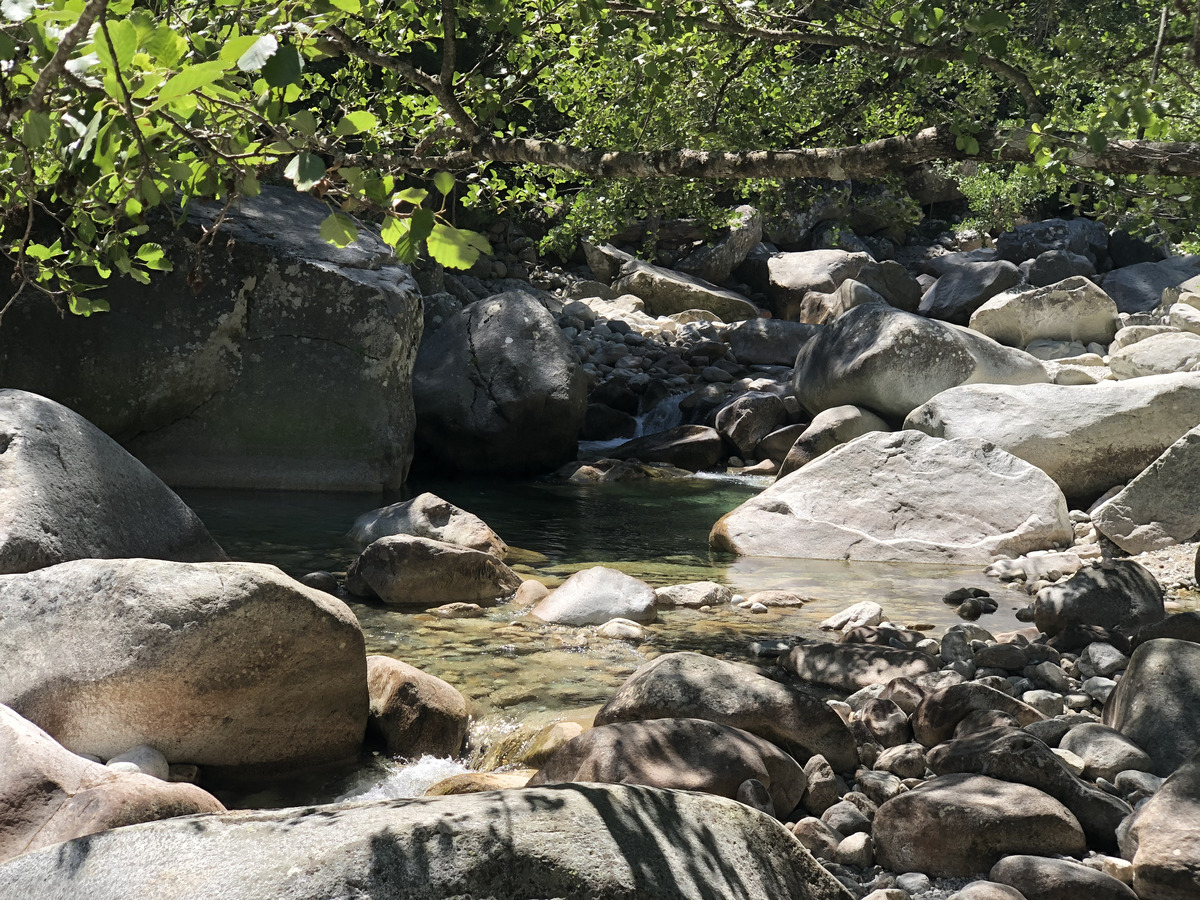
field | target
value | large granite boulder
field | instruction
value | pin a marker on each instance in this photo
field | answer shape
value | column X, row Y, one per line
column 791, row 276
column 596, row 595
column 768, row 342
column 49, row 794
column 939, row 712
column 890, row 362
column 1088, row 438
column 268, row 358
column 231, row 666
column 404, row 570
column 1156, row 703
column 959, row 825
column 749, row 418
column 683, row 754
column 821, row 309
column 1162, row 841
column 666, row 292
column 904, row 497
column 965, row 287
column 605, row 842
column 1115, row 594
column 498, row 389
column 68, row 491
column 714, row 263
column 1161, row 506
column 1039, row 878
column 413, row 712
column 692, row 447
column 691, row 685
column 1071, row 310
column 1157, row 354
column 1139, row 288
column 828, row 429
column 428, row 516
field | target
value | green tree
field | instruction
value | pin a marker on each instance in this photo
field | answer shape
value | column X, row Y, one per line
column 401, row 111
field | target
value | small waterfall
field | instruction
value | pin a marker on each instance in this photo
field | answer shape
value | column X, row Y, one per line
column 662, row 417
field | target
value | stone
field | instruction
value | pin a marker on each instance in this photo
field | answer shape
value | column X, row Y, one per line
column 1112, row 594
column 491, row 378
column 850, row 667
column 1101, row 659
column 413, row 712
column 693, row 595
column 966, row 287
column 873, row 499
column 903, row 761
column 749, row 418
column 863, row 613
column 1139, row 288
column 821, row 791
column 683, row 754
column 791, row 276
column 694, row 686
column 666, row 292
column 846, row 819
column 817, row 837
column 68, row 491
column 478, row 782
column 1078, row 236
column 956, row 825
column 893, row 282
column 50, row 795
column 596, row 595
column 268, row 359
column 404, row 570
column 1104, row 751
column 1131, row 334
column 1071, row 310
column 599, row 841
column 1038, row 878
column 1158, row 354
column 1157, row 702
column 1056, row 265
column 605, row 260
column 715, row 262
column 1161, row 839
column 142, row 758
column 530, row 592
column 768, row 342
column 621, row 630
column 428, row 516
column 937, row 715
column 691, row 447
column 856, row 850
column 1088, row 438
column 1161, row 506
column 821, row 309
column 885, row 723
column 830, row 428
column 1184, row 317
column 988, row 890
column 891, row 362
column 230, row 666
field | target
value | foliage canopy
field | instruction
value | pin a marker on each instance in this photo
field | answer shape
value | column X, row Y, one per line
column 402, row 110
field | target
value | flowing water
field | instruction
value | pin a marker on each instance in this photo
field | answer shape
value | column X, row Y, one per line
column 513, row 670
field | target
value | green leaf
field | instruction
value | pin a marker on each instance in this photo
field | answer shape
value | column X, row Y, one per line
column 154, row 257
column 444, row 182
column 166, row 47
column 356, row 123
column 36, row 130
column 351, row 6
column 415, row 196
column 456, row 248
column 17, row 10
column 971, row 146
column 998, row 44
column 283, row 68
column 258, row 54
column 406, row 234
column 7, row 48
column 189, row 79
column 124, row 42
column 970, row 57
column 305, row 170
column 304, row 122
column 1097, row 141
column 339, row 229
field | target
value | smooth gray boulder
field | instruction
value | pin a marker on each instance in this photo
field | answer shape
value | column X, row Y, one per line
column 401, row 570
column 1160, row 507
column 607, row 842
column 1157, row 702
column 413, row 712
column 1056, row 265
column 902, row 496
column 828, row 429
column 821, row 309
column 1105, row 751
column 429, row 516
column 966, row 287
column 691, row 685
column 1088, row 438
column 666, row 292
column 231, row 666
column 1115, row 594
column 893, row 282
column 49, row 794
column 768, row 342
column 267, row 359
column 1162, row 841
column 714, row 262
column 595, row 595
column 1071, row 310
column 1131, row 334
column 1158, row 354
column 1081, row 236
column 680, row 754
column 749, row 418
column 891, row 362
column 959, row 825
column 68, row 491
column 498, row 389
column 1039, row 878
column 791, row 276
column 692, row 447
column 605, row 260
column 1139, row 288
column 940, row 711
